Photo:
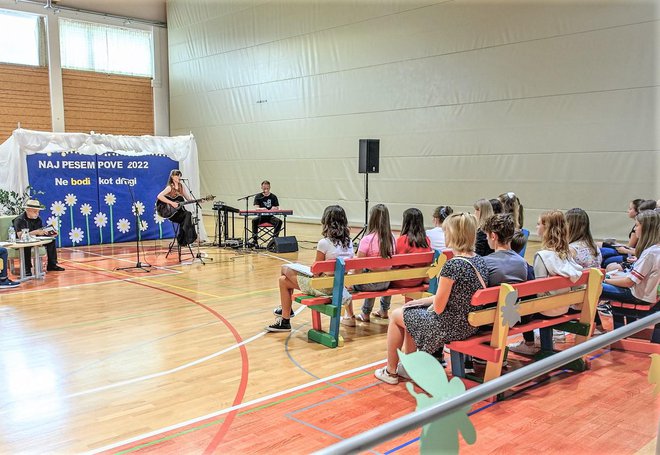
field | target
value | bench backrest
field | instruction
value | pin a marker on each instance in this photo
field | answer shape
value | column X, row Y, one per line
column 418, row 265
column 589, row 287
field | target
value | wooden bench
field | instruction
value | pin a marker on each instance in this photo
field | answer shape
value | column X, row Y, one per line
column 647, row 341
column 492, row 346
column 419, row 265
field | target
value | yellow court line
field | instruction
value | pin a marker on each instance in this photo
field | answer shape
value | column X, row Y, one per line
column 182, row 288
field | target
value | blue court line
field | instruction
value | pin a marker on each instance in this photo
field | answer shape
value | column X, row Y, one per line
column 298, row 365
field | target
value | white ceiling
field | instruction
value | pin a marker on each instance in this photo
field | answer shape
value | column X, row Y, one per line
column 153, row 10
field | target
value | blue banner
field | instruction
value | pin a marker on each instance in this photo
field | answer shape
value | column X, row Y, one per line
column 101, row 199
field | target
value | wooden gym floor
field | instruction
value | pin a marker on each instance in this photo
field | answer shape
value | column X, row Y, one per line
column 177, row 361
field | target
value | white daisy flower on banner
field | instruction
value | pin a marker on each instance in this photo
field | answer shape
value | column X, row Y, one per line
column 101, row 219
column 57, row 208
column 110, row 199
column 53, row 221
column 70, row 199
column 158, row 219
column 86, row 209
column 123, row 225
column 138, row 208
column 76, row 235
column 144, row 225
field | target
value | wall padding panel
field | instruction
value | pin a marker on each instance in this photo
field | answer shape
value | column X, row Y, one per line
column 108, row 104
column 24, row 98
column 556, row 101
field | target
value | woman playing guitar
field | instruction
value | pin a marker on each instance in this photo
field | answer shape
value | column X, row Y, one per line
column 172, row 195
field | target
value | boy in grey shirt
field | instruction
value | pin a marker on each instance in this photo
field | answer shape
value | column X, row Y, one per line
column 504, row 265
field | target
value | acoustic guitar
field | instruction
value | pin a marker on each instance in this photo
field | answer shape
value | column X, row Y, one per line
column 167, row 211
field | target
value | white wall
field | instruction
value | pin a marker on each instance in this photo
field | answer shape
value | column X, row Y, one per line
column 555, row 101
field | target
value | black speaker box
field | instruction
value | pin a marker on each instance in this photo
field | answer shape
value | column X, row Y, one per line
column 283, row 245
column 369, row 151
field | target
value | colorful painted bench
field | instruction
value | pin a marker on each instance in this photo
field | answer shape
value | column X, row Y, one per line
column 503, row 306
column 647, row 341
column 418, row 265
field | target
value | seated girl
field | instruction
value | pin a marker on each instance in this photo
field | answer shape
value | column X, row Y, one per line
column 641, row 284
column 580, row 242
column 427, row 324
column 379, row 241
column 336, row 243
column 483, row 210
column 554, row 258
column 617, row 254
column 437, row 235
column 412, row 240
column 511, row 204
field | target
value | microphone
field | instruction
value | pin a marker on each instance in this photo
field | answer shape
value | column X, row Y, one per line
column 184, row 180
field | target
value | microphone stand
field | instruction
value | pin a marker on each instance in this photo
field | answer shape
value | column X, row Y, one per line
column 245, row 218
column 143, row 266
column 197, row 218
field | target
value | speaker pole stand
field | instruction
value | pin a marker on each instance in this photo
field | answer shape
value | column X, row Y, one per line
column 363, row 231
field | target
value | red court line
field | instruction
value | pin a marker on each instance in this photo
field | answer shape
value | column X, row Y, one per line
column 240, row 393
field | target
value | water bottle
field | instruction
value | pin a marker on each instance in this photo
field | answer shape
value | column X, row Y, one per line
column 12, row 234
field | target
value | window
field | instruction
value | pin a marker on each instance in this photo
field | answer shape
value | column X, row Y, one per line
column 19, row 38
column 105, row 49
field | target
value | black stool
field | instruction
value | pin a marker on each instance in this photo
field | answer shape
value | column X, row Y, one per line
column 265, row 233
column 175, row 243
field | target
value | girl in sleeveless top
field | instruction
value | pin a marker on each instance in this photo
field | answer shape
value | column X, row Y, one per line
column 174, row 193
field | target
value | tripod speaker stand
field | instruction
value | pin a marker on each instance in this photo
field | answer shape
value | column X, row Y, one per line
column 139, row 265
column 367, row 164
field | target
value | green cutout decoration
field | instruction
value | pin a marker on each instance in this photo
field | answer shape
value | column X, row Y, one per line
column 440, row 436
column 654, row 372
column 510, row 310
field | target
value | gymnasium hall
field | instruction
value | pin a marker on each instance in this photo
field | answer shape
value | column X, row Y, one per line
column 196, row 202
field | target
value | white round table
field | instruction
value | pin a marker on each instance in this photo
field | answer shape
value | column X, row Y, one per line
column 34, row 244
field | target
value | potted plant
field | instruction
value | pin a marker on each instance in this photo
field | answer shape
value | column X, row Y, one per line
column 12, row 203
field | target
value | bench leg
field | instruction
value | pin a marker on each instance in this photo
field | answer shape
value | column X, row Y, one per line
column 316, row 321
column 457, row 364
column 655, row 338
column 493, row 370
column 618, row 320
column 546, row 339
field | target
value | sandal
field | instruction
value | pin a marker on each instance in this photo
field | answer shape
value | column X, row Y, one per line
column 380, row 314
column 363, row 317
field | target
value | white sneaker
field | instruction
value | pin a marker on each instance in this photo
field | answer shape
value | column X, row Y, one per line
column 523, row 348
column 401, row 371
column 348, row 321
column 558, row 336
column 386, row 377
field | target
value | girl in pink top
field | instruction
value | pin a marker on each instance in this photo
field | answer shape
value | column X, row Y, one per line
column 379, row 241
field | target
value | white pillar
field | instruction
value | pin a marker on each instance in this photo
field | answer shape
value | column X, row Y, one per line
column 160, row 84
column 55, row 72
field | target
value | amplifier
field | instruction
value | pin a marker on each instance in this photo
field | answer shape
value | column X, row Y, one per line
column 234, row 243
column 283, row 245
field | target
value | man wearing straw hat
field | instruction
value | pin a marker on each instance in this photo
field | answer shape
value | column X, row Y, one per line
column 31, row 221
